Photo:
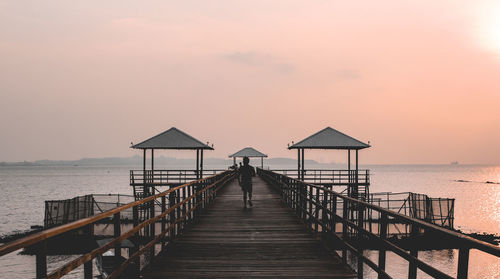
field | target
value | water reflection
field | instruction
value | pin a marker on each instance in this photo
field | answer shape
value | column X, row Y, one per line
column 481, row 265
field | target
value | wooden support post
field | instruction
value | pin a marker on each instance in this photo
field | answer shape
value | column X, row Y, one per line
column 136, row 265
column 383, row 236
column 41, row 260
column 356, row 188
column 144, row 179
column 87, row 270
column 309, row 199
column 197, row 164
column 117, row 232
column 412, row 270
column 135, row 215
column 324, row 214
column 152, row 162
column 298, row 163
column 360, row 241
column 151, row 215
column 349, row 179
column 201, row 163
column 152, row 229
column 171, row 202
column 303, row 168
column 184, row 207
column 303, row 198
column 163, row 219
column 190, row 204
column 463, row 263
column 316, row 211
column 297, row 199
column 344, row 229
column 334, row 213
column 197, row 198
column 144, row 165
column 87, row 267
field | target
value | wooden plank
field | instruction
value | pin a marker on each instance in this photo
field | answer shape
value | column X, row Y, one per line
column 266, row 240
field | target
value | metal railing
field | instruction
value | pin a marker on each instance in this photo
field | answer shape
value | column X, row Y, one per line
column 439, row 211
column 330, row 177
column 179, row 207
column 318, row 207
column 167, row 177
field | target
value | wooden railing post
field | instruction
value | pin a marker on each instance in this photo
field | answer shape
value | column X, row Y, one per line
column 309, row 199
column 171, row 202
column 135, row 215
column 152, row 230
column 412, row 270
column 316, row 211
column 184, row 207
column 117, row 232
column 333, row 219
column 88, row 270
column 383, row 236
column 178, row 211
column 324, row 212
column 87, row 267
column 136, row 265
column 41, row 259
column 295, row 193
column 164, row 218
column 360, row 241
column 303, row 198
column 463, row 263
column 344, row 229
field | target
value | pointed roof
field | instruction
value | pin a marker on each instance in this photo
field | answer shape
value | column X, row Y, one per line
column 172, row 138
column 248, row 152
column 329, row 138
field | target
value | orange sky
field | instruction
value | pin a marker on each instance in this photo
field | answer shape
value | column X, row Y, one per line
column 420, row 80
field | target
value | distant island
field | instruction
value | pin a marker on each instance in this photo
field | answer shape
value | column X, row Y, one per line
column 137, row 161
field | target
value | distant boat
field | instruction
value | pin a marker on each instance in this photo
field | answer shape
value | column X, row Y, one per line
column 454, row 163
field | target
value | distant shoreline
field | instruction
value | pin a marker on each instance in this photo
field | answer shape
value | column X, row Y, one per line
column 137, row 161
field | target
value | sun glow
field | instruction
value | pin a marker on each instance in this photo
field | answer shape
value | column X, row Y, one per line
column 489, row 26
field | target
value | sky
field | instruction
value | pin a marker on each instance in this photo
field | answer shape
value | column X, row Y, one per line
column 419, row 79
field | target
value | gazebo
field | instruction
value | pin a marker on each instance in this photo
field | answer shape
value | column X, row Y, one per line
column 249, row 152
column 172, row 138
column 330, row 138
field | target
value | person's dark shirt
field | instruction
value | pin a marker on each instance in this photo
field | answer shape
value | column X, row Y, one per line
column 246, row 172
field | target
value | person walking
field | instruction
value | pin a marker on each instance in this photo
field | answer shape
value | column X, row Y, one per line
column 245, row 174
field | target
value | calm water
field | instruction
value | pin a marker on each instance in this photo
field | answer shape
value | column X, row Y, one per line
column 477, row 205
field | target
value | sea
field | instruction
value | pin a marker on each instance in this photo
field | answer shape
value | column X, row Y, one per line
column 475, row 188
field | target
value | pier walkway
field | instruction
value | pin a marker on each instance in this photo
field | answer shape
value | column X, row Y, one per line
column 267, row 240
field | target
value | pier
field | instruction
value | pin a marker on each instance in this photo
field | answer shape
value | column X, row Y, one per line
column 295, row 222
column 265, row 240
column 191, row 223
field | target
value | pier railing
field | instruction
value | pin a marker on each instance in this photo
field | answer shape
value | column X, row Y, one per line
column 318, row 207
column 329, row 177
column 179, row 207
column 439, row 211
column 167, row 177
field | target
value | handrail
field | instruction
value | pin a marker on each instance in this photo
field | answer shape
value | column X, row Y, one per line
column 340, row 177
column 52, row 232
column 165, row 170
column 167, row 176
column 309, row 199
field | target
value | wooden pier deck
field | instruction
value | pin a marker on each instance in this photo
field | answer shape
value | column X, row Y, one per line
column 267, row 240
